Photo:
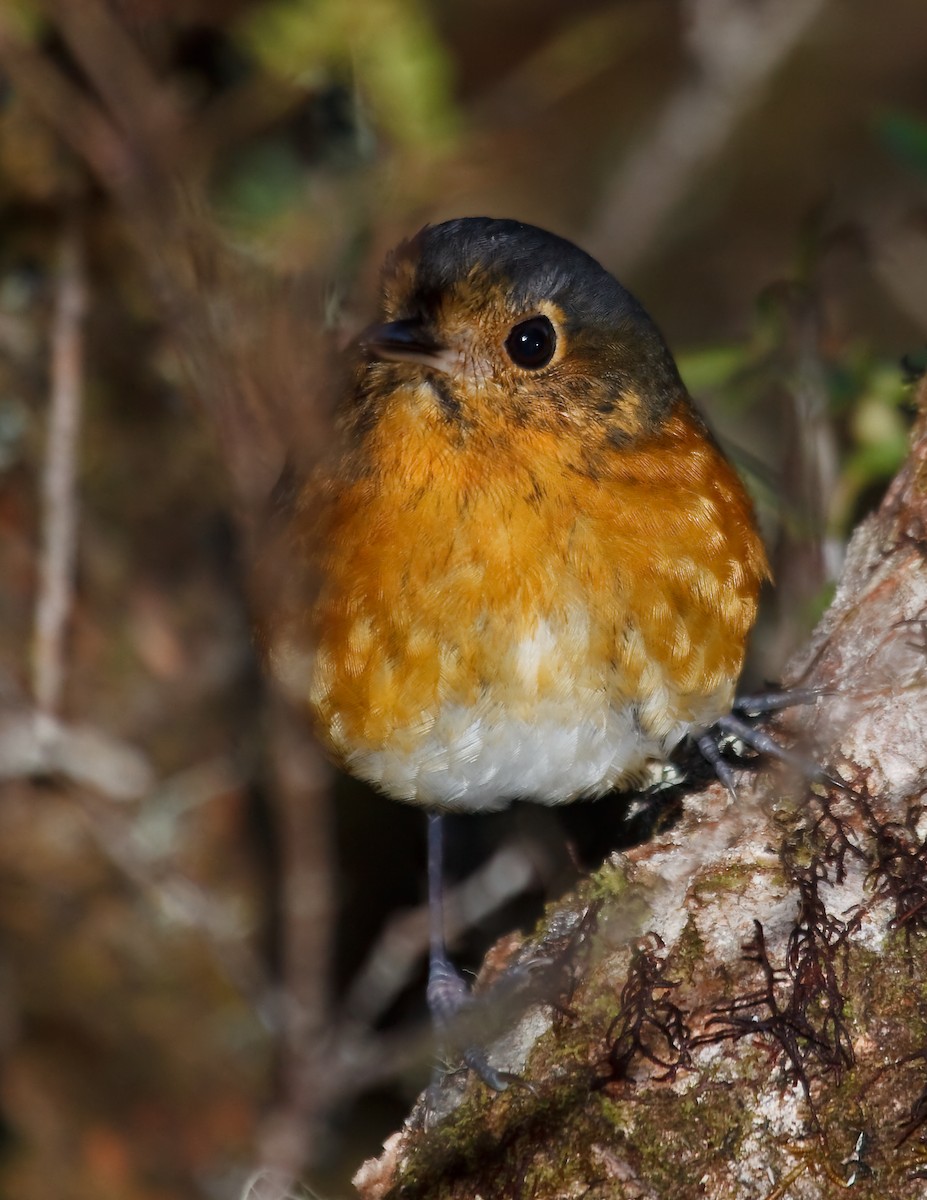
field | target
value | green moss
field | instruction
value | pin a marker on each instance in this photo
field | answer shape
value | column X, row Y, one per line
column 733, row 877
column 512, row 1145
column 689, row 950
column 680, row 1136
column 608, row 884
column 621, row 1114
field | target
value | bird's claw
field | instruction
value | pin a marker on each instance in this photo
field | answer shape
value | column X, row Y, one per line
column 737, row 724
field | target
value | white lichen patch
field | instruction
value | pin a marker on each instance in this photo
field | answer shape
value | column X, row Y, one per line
column 767, row 1154
column 510, row 1053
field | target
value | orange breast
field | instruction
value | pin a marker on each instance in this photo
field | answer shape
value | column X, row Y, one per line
column 511, row 576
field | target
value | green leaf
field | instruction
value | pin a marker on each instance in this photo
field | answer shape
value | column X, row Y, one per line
column 905, row 138
column 709, row 367
column 390, row 46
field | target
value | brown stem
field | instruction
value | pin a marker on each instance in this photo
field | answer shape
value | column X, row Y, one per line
column 59, row 487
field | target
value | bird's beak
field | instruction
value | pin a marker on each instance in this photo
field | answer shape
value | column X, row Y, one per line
column 407, row 341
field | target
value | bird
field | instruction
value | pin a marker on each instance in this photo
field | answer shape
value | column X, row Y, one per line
column 531, row 569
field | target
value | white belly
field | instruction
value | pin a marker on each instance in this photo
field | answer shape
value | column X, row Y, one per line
column 481, row 758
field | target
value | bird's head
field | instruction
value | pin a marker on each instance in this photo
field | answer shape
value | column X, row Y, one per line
column 496, row 321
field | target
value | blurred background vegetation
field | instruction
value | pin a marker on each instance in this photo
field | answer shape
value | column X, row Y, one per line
column 210, row 974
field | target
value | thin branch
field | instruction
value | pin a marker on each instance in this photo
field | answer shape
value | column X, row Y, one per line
column 291, row 1133
column 148, row 112
column 59, row 490
column 81, row 754
column 735, row 47
column 73, row 115
column 152, row 871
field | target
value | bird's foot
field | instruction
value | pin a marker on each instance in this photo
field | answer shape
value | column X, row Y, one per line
column 738, row 726
column 459, row 1016
column 448, row 992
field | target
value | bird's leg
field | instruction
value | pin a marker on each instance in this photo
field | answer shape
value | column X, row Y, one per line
column 448, row 993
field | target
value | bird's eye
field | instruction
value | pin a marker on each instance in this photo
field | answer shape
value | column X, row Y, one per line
column 532, row 343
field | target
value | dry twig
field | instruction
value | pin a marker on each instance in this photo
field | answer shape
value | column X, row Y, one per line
column 59, row 490
column 735, row 47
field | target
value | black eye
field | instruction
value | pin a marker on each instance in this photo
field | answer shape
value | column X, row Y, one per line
column 532, row 343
